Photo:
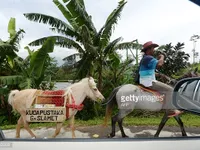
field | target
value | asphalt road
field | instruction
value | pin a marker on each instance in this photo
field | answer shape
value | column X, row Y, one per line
column 102, row 132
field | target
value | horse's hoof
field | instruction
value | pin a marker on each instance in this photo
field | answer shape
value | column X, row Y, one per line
column 125, row 136
column 33, row 137
column 155, row 135
column 110, row 135
column 185, row 135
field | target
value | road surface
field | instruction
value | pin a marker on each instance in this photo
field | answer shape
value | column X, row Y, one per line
column 102, row 132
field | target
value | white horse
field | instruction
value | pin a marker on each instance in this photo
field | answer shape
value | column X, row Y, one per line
column 22, row 100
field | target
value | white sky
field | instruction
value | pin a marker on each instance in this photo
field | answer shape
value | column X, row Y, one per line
column 162, row 21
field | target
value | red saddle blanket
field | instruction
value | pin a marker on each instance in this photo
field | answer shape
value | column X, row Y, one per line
column 58, row 92
column 154, row 92
column 57, row 98
column 51, row 97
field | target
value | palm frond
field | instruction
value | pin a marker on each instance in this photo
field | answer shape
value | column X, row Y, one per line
column 87, row 40
column 125, row 66
column 4, row 46
column 60, row 41
column 27, row 83
column 80, row 15
column 39, row 57
column 66, row 14
column 11, row 27
column 23, row 68
column 110, row 23
column 128, row 45
column 68, row 33
column 15, row 39
column 109, row 48
column 11, row 80
column 46, row 19
column 68, row 43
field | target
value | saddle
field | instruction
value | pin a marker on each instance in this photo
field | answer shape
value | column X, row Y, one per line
column 51, row 97
column 58, row 99
column 154, row 92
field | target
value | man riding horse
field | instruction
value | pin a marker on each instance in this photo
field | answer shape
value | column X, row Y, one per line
column 147, row 75
column 147, row 95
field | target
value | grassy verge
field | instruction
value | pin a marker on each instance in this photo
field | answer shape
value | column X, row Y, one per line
column 189, row 120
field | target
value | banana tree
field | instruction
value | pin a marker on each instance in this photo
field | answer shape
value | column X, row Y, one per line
column 79, row 32
column 9, row 48
column 30, row 70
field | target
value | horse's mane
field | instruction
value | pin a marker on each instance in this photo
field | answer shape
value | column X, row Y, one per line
column 68, row 89
column 84, row 80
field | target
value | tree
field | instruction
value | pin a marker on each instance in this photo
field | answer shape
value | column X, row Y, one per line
column 175, row 58
column 9, row 48
column 30, row 70
column 117, row 74
column 79, row 33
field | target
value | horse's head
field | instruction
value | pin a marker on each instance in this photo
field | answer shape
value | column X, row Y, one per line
column 93, row 91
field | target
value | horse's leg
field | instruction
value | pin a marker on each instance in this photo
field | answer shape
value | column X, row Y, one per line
column 119, row 118
column 72, row 126
column 57, row 131
column 18, row 126
column 123, row 113
column 121, row 128
column 26, row 126
column 162, row 124
column 113, row 123
column 178, row 119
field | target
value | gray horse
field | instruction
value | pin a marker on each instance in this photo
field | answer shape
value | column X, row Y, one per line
column 129, row 97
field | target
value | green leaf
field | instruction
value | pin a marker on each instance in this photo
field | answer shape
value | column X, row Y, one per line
column 110, row 22
column 128, row 45
column 10, row 80
column 79, row 15
column 15, row 39
column 115, row 60
column 60, row 41
column 68, row 33
column 28, row 83
column 109, row 48
column 39, row 57
column 11, row 27
column 30, row 52
column 46, row 19
column 10, row 61
column 23, row 68
column 66, row 13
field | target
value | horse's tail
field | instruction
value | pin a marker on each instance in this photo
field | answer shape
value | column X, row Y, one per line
column 11, row 96
column 110, row 104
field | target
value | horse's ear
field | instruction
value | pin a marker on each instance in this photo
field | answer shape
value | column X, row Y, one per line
column 90, row 77
column 196, row 69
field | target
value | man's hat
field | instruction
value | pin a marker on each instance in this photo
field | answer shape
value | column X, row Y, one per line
column 148, row 45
